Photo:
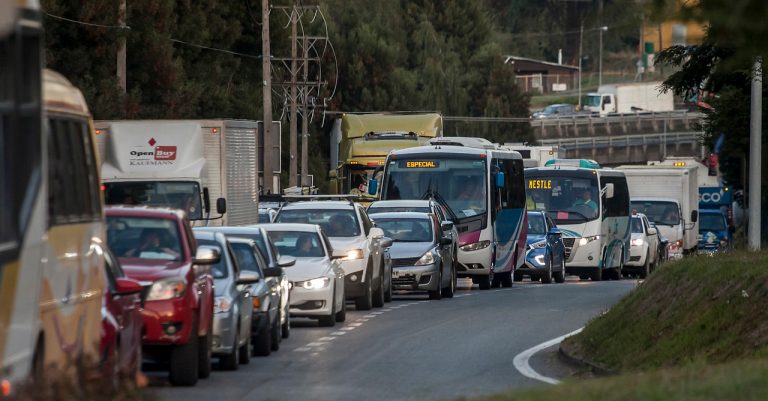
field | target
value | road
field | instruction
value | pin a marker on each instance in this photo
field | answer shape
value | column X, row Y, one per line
column 413, row 349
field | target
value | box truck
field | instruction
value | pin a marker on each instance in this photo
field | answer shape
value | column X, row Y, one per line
column 669, row 196
column 629, row 98
column 182, row 164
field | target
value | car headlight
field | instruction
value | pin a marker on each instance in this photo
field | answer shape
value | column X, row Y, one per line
column 539, row 244
column 222, row 305
column 476, row 246
column 637, row 242
column 723, row 243
column 426, row 259
column 539, row 259
column 166, row 289
column 586, row 240
column 354, row 254
column 314, row 284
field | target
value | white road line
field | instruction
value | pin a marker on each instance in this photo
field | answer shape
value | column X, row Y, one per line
column 356, row 324
column 521, row 359
column 369, row 316
column 376, row 313
column 326, row 338
column 338, row 333
column 302, row 349
column 350, row 328
column 315, row 344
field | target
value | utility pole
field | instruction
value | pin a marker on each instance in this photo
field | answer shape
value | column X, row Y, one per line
column 292, row 170
column 755, row 156
column 600, row 65
column 269, row 183
column 581, row 39
column 661, row 46
column 121, row 49
column 305, row 118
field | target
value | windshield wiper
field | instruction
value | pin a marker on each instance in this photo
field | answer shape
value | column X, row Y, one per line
column 439, row 199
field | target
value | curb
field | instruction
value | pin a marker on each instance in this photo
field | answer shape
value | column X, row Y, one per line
column 569, row 356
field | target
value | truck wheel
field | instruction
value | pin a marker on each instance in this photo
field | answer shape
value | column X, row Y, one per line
column 184, row 362
column 231, row 361
column 365, row 301
column 205, row 343
column 245, row 352
column 262, row 345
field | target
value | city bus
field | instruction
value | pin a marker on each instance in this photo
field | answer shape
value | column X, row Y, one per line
column 482, row 187
column 590, row 206
column 51, row 222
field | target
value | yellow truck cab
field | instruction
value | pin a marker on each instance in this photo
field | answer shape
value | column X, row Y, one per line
column 361, row 142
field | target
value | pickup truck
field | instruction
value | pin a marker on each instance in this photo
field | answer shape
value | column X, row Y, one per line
column 156, row 247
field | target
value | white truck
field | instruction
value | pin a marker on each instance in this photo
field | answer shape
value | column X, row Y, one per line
column 534, row 156
column 182, row 164
column 629, row 98
column 669, row 196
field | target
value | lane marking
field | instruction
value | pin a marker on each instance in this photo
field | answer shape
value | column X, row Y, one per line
column 369, row 316
column 302, row 349
column 521, row 360
column 338, row 333
column 356, row 324
column 326, row 338
column 350, row 328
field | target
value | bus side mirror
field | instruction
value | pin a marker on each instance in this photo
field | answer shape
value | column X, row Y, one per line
column 500, row 180
column 206, row 201
column 373, row 186
column 609, row 191
column 694, row 216
column 221, row 206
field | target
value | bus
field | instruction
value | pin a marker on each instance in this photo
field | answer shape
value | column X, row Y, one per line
column 51, row 224
column 590, row 206
column 481, row 185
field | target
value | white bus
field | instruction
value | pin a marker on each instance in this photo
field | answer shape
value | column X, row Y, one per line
column 482, row 187
column 590, row 206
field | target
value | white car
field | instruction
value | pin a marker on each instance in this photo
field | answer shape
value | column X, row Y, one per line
column 317, row 279
column 644, row 247
column 367, row 266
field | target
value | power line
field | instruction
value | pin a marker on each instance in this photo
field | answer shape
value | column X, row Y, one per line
column 87, row 23
column 538, row 34
column 253, row 56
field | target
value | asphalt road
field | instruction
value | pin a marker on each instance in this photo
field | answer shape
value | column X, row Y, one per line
column 413, row 349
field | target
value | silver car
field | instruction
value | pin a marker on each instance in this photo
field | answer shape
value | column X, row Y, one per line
column 422, row 255
column 232, row 307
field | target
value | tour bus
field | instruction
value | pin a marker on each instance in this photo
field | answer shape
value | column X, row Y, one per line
column 590, row 206
column 51, row 225
column 481, row 185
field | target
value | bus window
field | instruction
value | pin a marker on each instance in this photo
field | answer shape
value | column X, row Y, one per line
column 617, row 206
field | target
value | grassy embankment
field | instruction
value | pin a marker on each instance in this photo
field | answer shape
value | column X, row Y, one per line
column 695, row 330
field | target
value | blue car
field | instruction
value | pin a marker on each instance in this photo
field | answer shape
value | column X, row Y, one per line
column 545, row 253
column 714, row 233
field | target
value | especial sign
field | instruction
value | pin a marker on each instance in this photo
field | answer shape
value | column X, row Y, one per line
column 419, row 164
column 539, row 184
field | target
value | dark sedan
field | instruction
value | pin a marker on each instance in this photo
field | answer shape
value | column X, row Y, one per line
column 545, row 254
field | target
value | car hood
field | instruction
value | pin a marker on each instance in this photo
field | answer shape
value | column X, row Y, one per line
column 153, row 270
column 401, row 250
column 534, row 238
column 308, row 268
column 345, row 243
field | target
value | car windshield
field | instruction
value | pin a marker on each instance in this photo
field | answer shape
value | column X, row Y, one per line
column 335, row 222
column 711, row 222
column 406, row 230
column 637, row 225
column 536, row 224
column 299, row 244
column 246, row 258
column 220, row 268
column 660, row 212
column 177, row 195
column 144, row 238
column 566, row 199
column 397, row 209
column 593, row 100
column 461, row 183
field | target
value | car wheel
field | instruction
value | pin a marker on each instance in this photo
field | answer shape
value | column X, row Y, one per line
column 485, row 281
column 388, row 293
column 231, row 361
column 365, row 301
column 286, row 327
column 518, row 277
column 451, row 288
column 276, row 335
column 438, row 293
column 206, row 346
column 245, row 352
column 546, row 278
column 184, row 362
column 262, row 346
column 560, row 275
column 341, row 315
column 378, row 295
column 646, row 269
column 597, row 274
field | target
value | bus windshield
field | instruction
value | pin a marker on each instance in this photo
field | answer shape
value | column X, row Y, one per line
column 184, row 195
column 567, row 199
column 461, row 183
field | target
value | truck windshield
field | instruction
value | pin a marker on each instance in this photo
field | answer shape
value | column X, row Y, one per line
column 660, row 212
column 593, row 101
column 176, row 194
column 357, row 180
column 711, row 222
column 567, row 199
column 461, row 183
column 144, row 238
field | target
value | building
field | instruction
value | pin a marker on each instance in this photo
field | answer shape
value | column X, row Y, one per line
column 545, row 77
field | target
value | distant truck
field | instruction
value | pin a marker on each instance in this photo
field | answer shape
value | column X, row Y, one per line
column 534, row 156
column 629, row 98
column 361, row 142
column 182, row 164
column 668, row 196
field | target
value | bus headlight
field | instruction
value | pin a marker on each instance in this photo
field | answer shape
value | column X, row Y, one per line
column 637, row 242
column 586, row 240
column 476, row 246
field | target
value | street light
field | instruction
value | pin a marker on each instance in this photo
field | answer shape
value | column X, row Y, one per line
column 600, row 63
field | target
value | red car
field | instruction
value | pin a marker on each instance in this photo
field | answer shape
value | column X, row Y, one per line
column 122, row 323
column 156, row 247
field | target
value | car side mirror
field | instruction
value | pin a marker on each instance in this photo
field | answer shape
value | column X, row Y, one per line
column 249, row 277
column 376, row 232
column 206, row 255
column 221, row 206
column 651, row 231
column 554, row 232
column 609, row 190
column 446, row 225
column 127, row 286
column 273, row 272
column 446, row 241
column 286, row 261
column 694, row 216
column 386, row 242
column 373, row 186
